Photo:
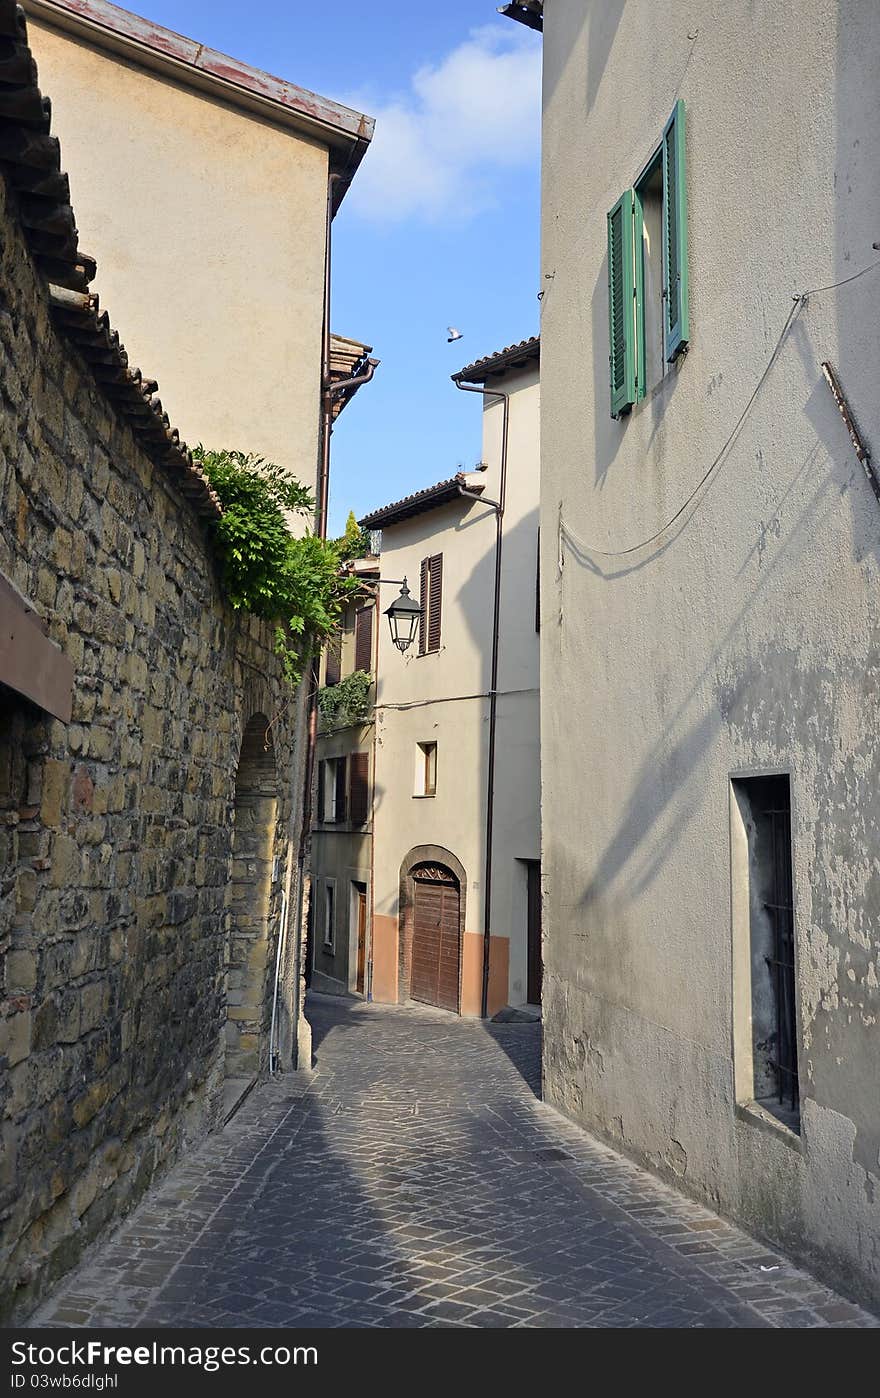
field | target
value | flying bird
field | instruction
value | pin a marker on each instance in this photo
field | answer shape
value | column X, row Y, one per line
column 452, row 334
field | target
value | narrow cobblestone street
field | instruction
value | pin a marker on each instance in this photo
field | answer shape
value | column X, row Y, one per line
column 416, row 1180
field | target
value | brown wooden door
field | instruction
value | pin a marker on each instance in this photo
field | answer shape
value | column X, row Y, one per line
column 436, row 953
column 535, row 967
column 361, row 910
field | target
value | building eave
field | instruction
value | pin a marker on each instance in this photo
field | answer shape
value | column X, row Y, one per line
column 504, row 361
column 443, row 493
column 527, row 12
column 346, row 133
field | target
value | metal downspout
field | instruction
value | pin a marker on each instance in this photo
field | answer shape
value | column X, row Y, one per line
column 326, row 421
column 493, row 682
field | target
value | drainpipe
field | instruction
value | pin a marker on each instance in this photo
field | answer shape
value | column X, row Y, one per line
column 321, row 532
column 328, row 392
column 498, row 506
column 368, row 979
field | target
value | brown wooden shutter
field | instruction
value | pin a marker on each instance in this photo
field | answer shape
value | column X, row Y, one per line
column 319, row 813
column 333, row 668
column 360, row 788
column 363, row 640
column 435, row 601
column 423, row 603
column 341, row 789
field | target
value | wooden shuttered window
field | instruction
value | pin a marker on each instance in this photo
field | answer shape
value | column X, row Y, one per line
column 359, row 796
column 363, row 640
column 423, row 601
column 622, row 357
column 431, row 598
column 340, row 815
column 435, row 601
column 626, row 271
column 333, row 662
column 676, row 328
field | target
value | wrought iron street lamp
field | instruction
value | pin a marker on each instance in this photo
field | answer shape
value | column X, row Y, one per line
column 403, row 616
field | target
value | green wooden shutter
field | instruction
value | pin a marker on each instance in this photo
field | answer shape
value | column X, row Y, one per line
column 621, row 310
column 677, row 329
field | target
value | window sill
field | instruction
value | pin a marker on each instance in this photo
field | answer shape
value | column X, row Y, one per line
column 424, row 795
column 756, row 1115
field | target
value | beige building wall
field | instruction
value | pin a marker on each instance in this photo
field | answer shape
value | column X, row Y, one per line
column 442, row 697
column 207, row 224
column 745, row 641
column 342, row 853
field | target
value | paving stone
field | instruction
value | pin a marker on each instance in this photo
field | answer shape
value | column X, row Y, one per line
column 416, row 1180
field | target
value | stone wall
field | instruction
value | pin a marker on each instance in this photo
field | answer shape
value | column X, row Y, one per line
column 116, row 829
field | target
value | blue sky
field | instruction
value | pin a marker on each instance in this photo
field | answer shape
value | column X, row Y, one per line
column 441, row 225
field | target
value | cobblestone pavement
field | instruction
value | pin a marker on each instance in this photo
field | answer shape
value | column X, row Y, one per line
column 416, row 1180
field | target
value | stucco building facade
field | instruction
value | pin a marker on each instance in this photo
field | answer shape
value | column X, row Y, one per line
column 340, row 912
column 710, row 642
column 434, row 721
column 202, row 188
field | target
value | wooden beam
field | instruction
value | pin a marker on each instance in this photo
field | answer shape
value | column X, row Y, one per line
column 30, row 663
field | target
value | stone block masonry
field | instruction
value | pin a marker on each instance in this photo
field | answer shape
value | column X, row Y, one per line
column 116, row 829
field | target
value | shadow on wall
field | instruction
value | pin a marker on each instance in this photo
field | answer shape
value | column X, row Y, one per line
column 684, row 743
column 249, row 920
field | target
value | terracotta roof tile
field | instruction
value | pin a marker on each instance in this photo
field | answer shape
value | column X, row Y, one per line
column 513, row 357
column 428, row 499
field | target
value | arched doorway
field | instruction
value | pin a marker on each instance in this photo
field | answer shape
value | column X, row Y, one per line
column 436, row 945
column 250, row 895
column 432, row 895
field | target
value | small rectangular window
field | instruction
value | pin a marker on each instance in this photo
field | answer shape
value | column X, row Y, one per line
column 426, row 769
column 332, row 784
column 329, row 914
column 333, row 660
column 767, row 1009
column 340, row 814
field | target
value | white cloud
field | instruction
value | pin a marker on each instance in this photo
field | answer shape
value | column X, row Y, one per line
column 437, row 152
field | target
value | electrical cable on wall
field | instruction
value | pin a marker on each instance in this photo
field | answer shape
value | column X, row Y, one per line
column 566, row 535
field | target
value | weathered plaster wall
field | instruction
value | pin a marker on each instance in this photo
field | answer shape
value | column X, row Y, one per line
column 116, row 829
column 744, row 642
column 208, row 224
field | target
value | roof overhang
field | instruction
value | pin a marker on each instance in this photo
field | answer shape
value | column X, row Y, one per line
column 443, row 493
column 349, row 360
column 345, row 132
column 505, row 361
column 528, row 12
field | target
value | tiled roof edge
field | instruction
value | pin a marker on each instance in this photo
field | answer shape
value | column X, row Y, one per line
column 511, row 357
column 30, row 158
column 420, row 501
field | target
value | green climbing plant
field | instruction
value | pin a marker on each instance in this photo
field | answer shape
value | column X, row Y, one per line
column 346, row 702
column 295, row 583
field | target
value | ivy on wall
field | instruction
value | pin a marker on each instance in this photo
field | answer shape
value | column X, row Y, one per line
column 346, row 702
column 295, row 583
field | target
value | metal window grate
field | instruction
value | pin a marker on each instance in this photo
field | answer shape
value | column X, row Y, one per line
column 781, row 963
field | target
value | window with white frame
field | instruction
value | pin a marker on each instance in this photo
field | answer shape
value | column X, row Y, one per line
column 329, row 914
column 426, row 770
